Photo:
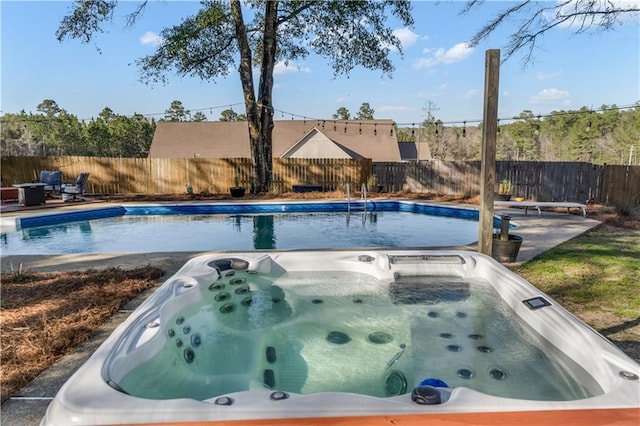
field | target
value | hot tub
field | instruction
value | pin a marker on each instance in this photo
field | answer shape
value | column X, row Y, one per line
column 372, row 336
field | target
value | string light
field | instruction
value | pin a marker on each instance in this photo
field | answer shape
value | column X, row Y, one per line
column 464, row 129
column 439, row 123
column 375, row 128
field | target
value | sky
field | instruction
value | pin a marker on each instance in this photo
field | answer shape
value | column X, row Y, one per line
column 437, row 67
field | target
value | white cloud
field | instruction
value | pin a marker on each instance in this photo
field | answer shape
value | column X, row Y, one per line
column 457, row 53
column 150, row 38
column 551, row 96
column 424, row 63
column 282, row 68
column 547, row 76
column 393, row 108
column 470, row 94
column 406, row 36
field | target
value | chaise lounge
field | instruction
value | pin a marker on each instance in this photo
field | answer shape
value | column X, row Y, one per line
column 537, row 204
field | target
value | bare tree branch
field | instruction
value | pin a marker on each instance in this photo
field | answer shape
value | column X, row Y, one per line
column 132, row 18
column 533, row 20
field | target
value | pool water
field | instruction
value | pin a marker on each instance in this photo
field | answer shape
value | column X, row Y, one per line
column 306, row 332
column 205, row 232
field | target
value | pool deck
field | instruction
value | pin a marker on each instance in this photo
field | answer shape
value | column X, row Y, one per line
column 540, row 233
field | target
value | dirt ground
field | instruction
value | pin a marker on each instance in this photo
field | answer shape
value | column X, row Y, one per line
column 45, row 315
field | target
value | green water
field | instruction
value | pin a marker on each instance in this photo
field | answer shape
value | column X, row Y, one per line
column 348, row 332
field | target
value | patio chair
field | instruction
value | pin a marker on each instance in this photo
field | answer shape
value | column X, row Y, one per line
column 52, row 181
column 71, row 192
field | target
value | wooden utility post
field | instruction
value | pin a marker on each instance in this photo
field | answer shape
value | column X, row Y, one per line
column 489, row 135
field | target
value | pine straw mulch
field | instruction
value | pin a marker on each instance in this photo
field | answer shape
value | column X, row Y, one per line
column 46, row 315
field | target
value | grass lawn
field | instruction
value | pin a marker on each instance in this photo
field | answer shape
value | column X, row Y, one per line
column 597, row 277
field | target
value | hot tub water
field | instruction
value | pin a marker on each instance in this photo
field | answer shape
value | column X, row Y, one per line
column 337, row 331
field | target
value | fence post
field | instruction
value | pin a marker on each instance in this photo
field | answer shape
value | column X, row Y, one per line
column 489, row 135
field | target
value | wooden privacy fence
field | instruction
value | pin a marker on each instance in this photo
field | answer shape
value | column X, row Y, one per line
column 541, row 181
column 171, row 175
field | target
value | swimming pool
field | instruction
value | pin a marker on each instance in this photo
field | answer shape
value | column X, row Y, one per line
column 371, row 335
column 233, row 226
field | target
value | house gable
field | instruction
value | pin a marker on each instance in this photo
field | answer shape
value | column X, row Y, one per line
column 316, row 144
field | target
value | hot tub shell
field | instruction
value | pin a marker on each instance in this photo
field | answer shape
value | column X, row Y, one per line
column 90, row 396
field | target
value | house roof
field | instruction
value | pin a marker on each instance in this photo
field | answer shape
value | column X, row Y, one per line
column 294, row 138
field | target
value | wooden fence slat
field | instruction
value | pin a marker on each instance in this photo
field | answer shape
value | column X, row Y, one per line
column 542, row 181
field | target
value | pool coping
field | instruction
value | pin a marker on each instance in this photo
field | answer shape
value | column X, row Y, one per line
column 28, row 407
column 59, row 216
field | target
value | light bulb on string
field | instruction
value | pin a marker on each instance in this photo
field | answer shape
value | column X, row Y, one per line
column 391, row 131
column 375, row 129
column 360, row 128
column 334, row 126
column 345, row 127
column 413, row 131
column 464, row 129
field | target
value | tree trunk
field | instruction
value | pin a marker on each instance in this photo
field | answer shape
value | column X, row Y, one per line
column 260, row 113
column 265, row 98
column 246, row 77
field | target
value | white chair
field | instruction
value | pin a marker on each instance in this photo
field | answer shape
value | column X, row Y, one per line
column 71, row 192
